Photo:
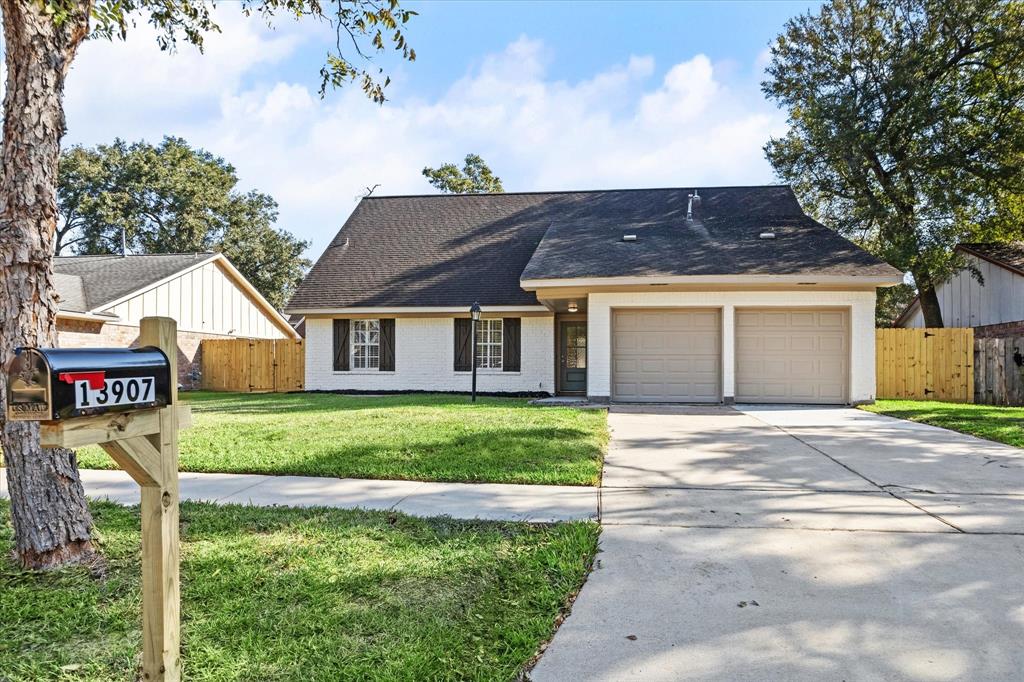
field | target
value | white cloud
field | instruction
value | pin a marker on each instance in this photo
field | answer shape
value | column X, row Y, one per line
column 618, row 128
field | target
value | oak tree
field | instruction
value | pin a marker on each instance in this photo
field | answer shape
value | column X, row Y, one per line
column 905, row 125
column 51, row 522
column 173, row 198
column 475, row 177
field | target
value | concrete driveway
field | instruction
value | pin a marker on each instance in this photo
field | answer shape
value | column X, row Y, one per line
column 767, row 543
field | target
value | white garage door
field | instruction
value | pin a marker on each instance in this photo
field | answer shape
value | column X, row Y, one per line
column 792, row 356
column 666, row 355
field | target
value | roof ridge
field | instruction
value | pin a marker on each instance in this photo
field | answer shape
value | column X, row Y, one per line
column 580, row 191
column 138, row 255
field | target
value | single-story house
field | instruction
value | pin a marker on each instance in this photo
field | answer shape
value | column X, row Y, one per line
column 713, row 295
column 103, row 298
column 994, row 305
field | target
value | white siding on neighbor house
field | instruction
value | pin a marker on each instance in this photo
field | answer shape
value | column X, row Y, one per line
column 425, row 360
column 861, row 305
column 204, row 300
column 965, row 302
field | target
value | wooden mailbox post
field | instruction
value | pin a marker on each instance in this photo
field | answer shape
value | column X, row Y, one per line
column 129, row 412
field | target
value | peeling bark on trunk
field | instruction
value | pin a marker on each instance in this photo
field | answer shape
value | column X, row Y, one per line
column 51, row 521
column 929, row 300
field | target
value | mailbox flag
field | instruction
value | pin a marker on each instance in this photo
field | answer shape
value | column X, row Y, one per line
column 95, row 379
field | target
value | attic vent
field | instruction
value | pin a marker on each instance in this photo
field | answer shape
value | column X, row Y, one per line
column 766, row 235
column 629, row 237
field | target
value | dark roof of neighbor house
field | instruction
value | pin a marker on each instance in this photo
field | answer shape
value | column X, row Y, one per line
column 452, row 250
column 87, row 282
column 1009, row 255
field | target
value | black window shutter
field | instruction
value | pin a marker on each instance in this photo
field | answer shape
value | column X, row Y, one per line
column 511, row 354
column 387, row 345
column 463, row 347
column 341, row 345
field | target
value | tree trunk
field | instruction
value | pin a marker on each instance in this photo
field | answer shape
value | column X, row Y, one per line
column 51, row 521
column 928, row 298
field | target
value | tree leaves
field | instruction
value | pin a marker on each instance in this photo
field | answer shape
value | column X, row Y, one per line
column 906, row 123
column 475, row 177
column 172, row 198
column 359, row 26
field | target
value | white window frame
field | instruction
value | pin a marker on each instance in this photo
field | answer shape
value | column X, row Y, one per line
column 486, row 328
column 370, row 359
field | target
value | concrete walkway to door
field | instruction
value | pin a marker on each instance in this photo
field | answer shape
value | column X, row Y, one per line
column 766, row 543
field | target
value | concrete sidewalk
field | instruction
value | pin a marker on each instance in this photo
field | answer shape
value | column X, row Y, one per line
column 490, row 501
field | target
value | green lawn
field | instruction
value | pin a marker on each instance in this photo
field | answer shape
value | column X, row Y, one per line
column 1002, row 424
column 417, row 437
column 313, row 594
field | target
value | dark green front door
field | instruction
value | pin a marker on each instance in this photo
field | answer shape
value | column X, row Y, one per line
column 572, row 361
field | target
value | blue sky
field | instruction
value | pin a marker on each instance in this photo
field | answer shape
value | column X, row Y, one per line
column 567, row 95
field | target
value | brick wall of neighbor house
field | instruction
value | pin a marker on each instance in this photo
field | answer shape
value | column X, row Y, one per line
column 424, row 360
column 862, row 329
column 996, row 330
column 82, row 334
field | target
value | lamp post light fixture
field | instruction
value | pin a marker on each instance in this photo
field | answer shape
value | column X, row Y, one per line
column 474, row 315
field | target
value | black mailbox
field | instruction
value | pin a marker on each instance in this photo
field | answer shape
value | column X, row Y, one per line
column 48, row 384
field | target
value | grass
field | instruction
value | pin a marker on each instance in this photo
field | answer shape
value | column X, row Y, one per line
column 1001, row 424
column 415, row 437
column 310, row 594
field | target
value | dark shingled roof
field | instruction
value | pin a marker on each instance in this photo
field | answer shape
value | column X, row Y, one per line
column 450, row 250
column 89, row 282
column 1008, row 255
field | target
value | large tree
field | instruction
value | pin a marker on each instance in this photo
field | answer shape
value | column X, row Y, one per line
column 475, row 177
column 51, row 522
column 906, row 124
column 173, row 198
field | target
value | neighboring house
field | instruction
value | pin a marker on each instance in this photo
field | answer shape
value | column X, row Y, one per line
column 994, row 305
column 629, row 295
column 103, row 298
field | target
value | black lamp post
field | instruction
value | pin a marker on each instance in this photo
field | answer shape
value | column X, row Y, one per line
column 474, row 315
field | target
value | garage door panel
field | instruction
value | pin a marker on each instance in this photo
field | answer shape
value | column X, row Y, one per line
column 792, row 355
column 671, row 355
column 832, row 344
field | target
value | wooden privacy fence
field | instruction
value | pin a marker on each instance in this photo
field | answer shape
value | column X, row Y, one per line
column 999, row 370
column 925, row 364
column 254, row 365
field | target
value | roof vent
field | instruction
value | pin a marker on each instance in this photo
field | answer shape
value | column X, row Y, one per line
column 766, row 235
column 692, row 203
column 629, row 237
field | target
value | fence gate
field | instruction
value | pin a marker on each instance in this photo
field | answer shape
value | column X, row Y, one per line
column 999, row 370
column 253, row 365
column 925, row 364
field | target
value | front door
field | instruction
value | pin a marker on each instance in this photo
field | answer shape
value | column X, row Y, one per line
column 572, row 361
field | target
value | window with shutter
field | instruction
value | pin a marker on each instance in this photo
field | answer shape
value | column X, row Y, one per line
column 489, row 344
column 365, row 344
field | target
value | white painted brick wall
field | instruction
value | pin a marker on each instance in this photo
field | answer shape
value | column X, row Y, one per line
column 424, row 360
column 862, row 329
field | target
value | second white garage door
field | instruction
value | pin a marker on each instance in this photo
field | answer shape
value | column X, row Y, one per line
column 790, row 355
column 666, row 355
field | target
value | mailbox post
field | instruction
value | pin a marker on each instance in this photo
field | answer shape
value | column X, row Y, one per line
column 125, row 401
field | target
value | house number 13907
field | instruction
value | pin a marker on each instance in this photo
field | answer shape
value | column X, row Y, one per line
column 126, row 391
